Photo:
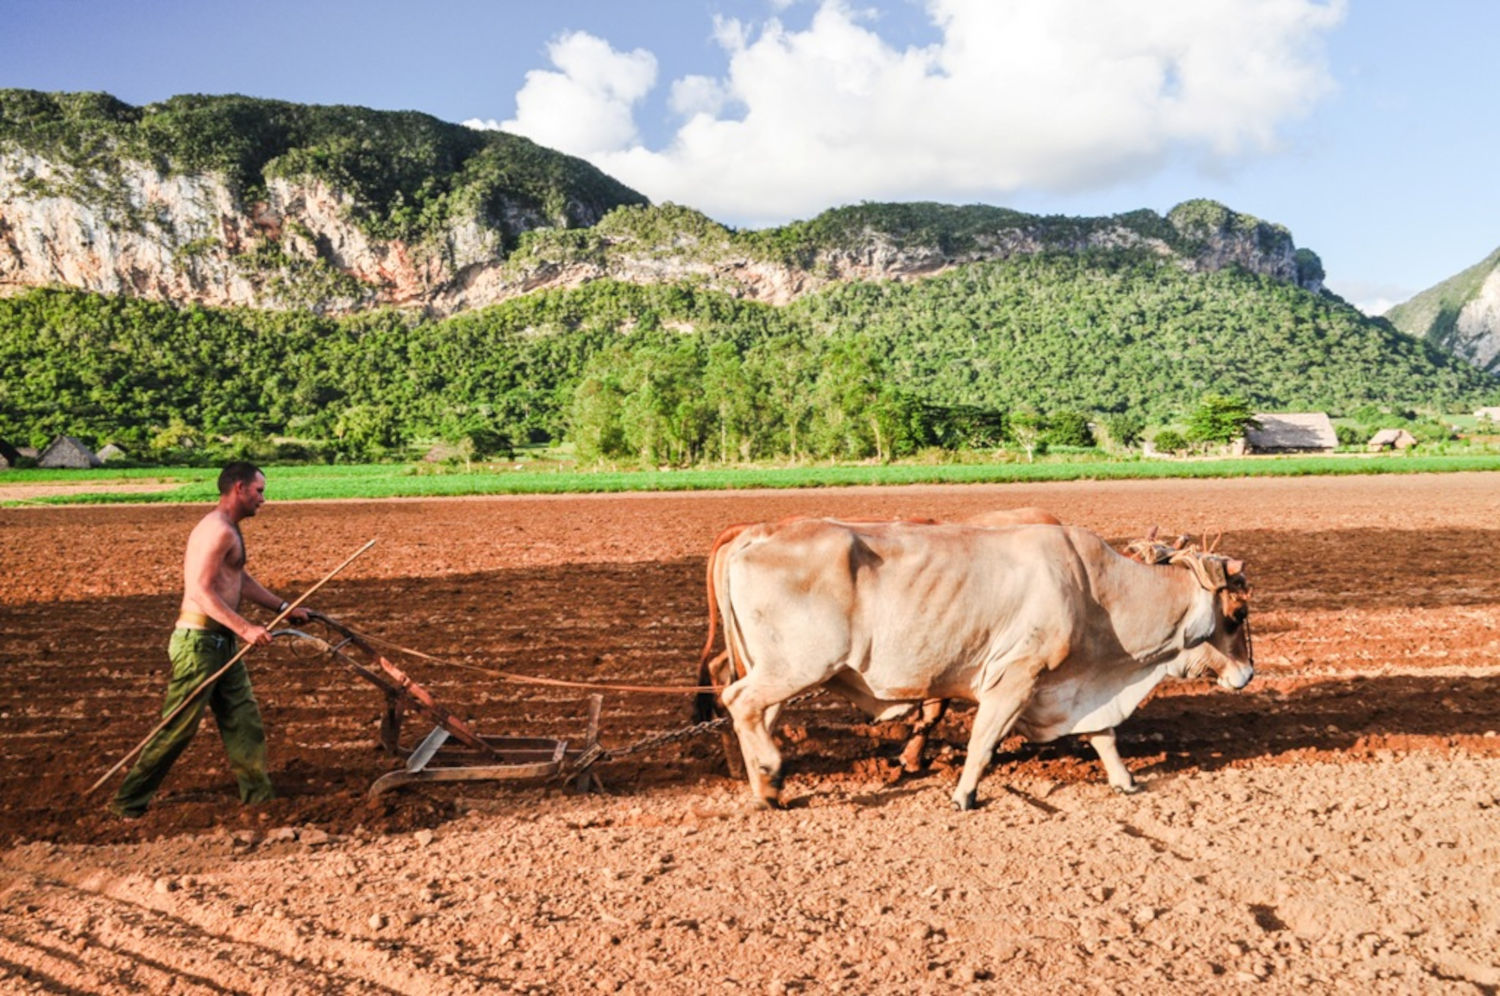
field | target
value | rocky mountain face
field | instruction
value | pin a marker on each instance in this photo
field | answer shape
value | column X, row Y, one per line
column 343, row 222
column 1461, row 314
column 191, row 238
column 900, row 242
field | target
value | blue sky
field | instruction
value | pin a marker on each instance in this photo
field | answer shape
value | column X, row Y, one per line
column 1364, row 126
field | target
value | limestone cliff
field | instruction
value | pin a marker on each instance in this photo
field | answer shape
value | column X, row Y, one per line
column 238, row 201
column 189, row 238
column 235, row 201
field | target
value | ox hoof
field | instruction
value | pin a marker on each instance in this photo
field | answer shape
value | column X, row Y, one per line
column 763, row 803
column 966, row 803
column 1134, row 788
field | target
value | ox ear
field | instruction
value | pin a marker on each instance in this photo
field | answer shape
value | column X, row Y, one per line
column 1234, row 568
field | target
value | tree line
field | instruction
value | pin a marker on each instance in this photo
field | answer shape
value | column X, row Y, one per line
column 1038, row 351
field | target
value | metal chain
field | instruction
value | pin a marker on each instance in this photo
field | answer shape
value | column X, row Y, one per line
column 596, row 754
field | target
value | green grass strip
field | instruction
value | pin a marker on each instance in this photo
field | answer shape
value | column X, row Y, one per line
column 368, row 481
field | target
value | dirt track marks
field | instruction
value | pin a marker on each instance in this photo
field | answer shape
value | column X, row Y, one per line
column 103, row 932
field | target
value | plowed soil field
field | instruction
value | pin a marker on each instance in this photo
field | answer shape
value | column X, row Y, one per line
column 1335, row 827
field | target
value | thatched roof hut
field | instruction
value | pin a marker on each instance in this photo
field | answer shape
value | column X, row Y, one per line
column 1391, row 439
column 111, row 452
column 66, row 451
column 1292, row 432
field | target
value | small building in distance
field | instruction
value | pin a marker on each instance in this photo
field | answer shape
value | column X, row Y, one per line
column 1292, row 432
column 1391, row 439
column 111, row 452
column 1492, row 413
column 68, row 452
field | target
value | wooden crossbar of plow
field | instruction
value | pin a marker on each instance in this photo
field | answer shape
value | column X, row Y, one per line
column 453, row 751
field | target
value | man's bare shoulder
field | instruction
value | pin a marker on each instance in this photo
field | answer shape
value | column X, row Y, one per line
column 214, row 533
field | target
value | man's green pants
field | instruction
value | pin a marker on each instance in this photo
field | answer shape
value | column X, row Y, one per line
column 196, row 654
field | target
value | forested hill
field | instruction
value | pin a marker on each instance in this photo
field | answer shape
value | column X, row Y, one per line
column 676, row 373
column 216, row 275
column 239, row 201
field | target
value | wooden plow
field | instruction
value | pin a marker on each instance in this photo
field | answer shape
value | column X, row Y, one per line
column 453, row 751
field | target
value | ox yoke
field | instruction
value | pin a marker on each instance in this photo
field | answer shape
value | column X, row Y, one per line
column 890, row 615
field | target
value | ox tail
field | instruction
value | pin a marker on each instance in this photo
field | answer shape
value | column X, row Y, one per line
column 705, row 704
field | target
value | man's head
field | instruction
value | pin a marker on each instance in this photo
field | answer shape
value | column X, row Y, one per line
column 242, row 488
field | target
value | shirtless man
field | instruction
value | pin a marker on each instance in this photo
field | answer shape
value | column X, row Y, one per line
column 214, row 582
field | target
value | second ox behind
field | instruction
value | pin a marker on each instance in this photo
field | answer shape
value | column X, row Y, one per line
column 1046, row 628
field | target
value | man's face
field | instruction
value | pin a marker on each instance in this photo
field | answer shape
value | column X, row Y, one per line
column 250, row 497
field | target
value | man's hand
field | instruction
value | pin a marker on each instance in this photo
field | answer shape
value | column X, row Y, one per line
column 299, row 615
column 256, row 635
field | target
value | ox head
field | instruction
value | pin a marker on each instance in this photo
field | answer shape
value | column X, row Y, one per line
column 1226, row 651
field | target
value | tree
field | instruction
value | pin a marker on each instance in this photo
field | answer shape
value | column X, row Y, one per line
column 1220, row 419
column 728, row 390
column 1125, row 428
column 858, row 411
column 175, row 439
column 1026, row 430
column 366, row 431
column 594, row 415
column 664, row 414
column 1170, row 441
column 1068, row 429
column 783, row 368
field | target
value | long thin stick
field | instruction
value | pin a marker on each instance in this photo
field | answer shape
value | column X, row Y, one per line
column 217, row 674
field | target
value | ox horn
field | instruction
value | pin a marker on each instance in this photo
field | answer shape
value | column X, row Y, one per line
column 1151, row 533
column 1179, row 542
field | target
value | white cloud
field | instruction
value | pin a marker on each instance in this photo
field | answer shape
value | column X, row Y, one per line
column 697, row 95
column 585, row 106
column 1047, row 95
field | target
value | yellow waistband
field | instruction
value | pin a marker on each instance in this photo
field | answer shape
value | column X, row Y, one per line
column 200, row 620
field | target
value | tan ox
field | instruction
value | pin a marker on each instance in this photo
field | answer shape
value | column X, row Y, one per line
column 715, row 669
column 1049, row 630
column 933, row 709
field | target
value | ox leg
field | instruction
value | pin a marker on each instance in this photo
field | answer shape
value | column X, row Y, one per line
column 1119, row 775
column 911, row 754
column 719, row 673
column 999, row 708
column 733, row 758
column 706, row 707
column 755, row 704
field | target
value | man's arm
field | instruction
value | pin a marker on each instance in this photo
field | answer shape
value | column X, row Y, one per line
column 261, row 595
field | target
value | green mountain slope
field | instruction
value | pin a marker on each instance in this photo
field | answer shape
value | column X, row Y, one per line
column 1126, row 331
column 409, row 174
column 680, row 373
column 1461, row 314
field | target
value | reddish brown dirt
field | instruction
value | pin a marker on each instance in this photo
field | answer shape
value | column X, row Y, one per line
column 1332, row 827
